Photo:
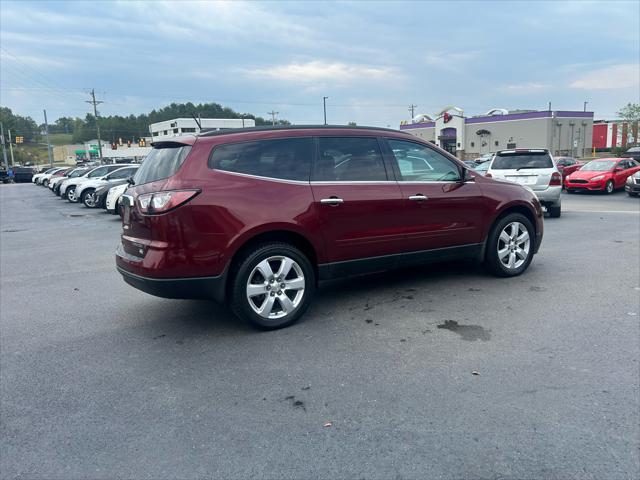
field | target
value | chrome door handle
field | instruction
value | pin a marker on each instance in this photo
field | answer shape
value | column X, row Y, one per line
column 331, row 201
column 418, row 198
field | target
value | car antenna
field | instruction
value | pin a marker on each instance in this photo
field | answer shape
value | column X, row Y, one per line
column 197, row 122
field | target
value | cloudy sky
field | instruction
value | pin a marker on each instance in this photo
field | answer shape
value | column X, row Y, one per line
column 372, row 59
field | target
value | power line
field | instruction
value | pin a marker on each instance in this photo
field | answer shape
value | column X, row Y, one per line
column 95, row 103
column 411, row 109
column 273, row 116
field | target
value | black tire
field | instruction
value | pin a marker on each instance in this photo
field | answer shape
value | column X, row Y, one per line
column 85, row 196
column 240, row 277
column 631, row 194
column 569, row 190
column 609, row 187
column 555, row 211
column 492, row 263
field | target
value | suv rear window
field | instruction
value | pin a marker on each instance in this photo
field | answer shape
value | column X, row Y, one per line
column 285, row 158
column 518, row 160
column 161, row 163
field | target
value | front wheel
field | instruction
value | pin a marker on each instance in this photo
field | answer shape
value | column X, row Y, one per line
column 608, row 188
column 89, row 198
column 510, row 246
column 272, row 286
column 71, row 194
column 555, row 211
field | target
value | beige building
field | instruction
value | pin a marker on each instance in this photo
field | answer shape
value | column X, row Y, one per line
column 561, row 132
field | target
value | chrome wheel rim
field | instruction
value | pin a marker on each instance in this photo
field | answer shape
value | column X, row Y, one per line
column 609, row 187
column 275, row 287
column 71, row 195
column 90, row 200
column 514, row 245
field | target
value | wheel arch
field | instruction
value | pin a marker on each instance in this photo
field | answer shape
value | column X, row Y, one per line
column 508, row 209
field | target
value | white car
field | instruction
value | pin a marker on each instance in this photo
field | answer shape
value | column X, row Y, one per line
column 84, row 192
column 113, row 198
column 533, row 168
column 76, row 172
column 38, row 178
column 68, row 187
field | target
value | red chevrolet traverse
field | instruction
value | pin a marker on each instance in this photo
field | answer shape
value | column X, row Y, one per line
column 260, row 217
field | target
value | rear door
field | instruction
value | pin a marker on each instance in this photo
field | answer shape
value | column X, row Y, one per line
column 439, row 209
column 532, row 168
column 358, row 203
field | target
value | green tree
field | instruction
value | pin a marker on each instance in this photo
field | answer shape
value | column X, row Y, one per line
column 631, row 113
column 19, row 125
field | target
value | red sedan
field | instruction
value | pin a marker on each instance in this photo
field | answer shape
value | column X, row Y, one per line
column 567, row 165
column 604, row 174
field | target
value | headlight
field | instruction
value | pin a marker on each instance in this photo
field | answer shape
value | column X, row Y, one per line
column 599, row 177
column 630, row 179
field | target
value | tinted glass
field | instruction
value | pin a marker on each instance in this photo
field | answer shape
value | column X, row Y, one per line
column 78, row 173
column 349, row 159
column 119, row 174
column 515, row 161
column 284, row 158
column 161, row 163
column 418, row 163
column 98, row 172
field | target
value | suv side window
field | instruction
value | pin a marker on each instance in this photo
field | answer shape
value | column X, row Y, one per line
column 99, row 172
column 418, row 163
column 124, row 173
column 284, row 158
column 349, row 159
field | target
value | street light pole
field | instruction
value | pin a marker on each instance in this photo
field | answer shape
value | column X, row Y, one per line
column 46, row 131
column 324, row 107
column 585, row 106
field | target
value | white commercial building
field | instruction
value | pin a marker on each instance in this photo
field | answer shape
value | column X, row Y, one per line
column 183, row 126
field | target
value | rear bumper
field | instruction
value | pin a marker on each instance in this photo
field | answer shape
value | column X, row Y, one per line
column 134, row 273
column 178, row 288
column 549, row 196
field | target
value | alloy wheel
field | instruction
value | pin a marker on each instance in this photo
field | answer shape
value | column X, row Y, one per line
column 275, row 287
column 90, row 199
column 71, row 195
column 514, row 245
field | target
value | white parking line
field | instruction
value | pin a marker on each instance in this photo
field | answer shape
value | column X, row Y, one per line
column 600, row 211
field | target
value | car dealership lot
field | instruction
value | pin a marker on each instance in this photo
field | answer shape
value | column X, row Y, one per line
column 99, row 380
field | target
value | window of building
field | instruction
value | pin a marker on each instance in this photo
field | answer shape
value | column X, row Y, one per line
column 188, row 130
column 176, row 130
column 349, row 159
column 496, row 143
column 418, row 163
column 511, row 145
column 155, row 134
column 285, row 158
column 473, row 144
column 165, row 132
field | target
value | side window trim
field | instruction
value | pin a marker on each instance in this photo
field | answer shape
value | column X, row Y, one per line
column 316, row 158
column 396, row 167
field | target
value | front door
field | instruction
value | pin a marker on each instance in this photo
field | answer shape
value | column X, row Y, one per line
column 357, row 202
column 441, row 211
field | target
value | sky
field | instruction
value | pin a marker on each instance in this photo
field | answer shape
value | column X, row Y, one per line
column 372, row 59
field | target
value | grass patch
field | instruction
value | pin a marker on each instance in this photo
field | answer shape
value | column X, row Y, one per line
column 59, row 138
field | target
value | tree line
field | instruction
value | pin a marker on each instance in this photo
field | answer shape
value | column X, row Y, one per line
column 113, row 127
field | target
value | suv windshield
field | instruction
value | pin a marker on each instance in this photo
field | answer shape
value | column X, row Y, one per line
column 519, row 160
column 161, row 163
column 599, row 166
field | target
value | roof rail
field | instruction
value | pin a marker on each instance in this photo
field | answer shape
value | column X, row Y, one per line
column 290, row 127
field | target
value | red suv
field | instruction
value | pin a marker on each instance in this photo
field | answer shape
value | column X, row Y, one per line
column 262, row 216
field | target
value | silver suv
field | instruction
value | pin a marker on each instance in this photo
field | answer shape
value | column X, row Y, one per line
column 533, row 168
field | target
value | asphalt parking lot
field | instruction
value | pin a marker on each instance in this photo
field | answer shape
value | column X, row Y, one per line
column 99, row 380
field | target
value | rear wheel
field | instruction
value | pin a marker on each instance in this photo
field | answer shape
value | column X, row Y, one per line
column 272, row 286
column 555, row 211
column 45, row 183
column 89, row 198
column 608, row 188
column 570, row 190
column 510, row 245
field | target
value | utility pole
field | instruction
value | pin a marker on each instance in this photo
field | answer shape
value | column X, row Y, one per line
column 273, row 116
column 549, row 106
column 11, row 148
column 95, row 103
column 4, row 148
column 324, row 107
column 411, row 109
column 585, row 106
column 46, row 131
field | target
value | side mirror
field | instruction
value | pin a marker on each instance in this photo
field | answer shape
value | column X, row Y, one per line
column 130, row 180
column 468, row 177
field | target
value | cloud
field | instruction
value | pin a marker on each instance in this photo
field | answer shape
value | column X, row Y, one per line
column 527, row 87
column 626, row 75
column 322, row 71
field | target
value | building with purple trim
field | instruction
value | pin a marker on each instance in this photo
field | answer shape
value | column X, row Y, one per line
column 562, row 132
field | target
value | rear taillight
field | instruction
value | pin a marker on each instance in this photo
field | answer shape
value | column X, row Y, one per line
column 556, row 180
column 488, row 175
column 161, row 202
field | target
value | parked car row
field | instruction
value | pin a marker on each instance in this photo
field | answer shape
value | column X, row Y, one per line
column 91, row 186
column 540, row 170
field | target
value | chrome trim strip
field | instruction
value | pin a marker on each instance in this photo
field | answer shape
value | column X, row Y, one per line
column 259, row 177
